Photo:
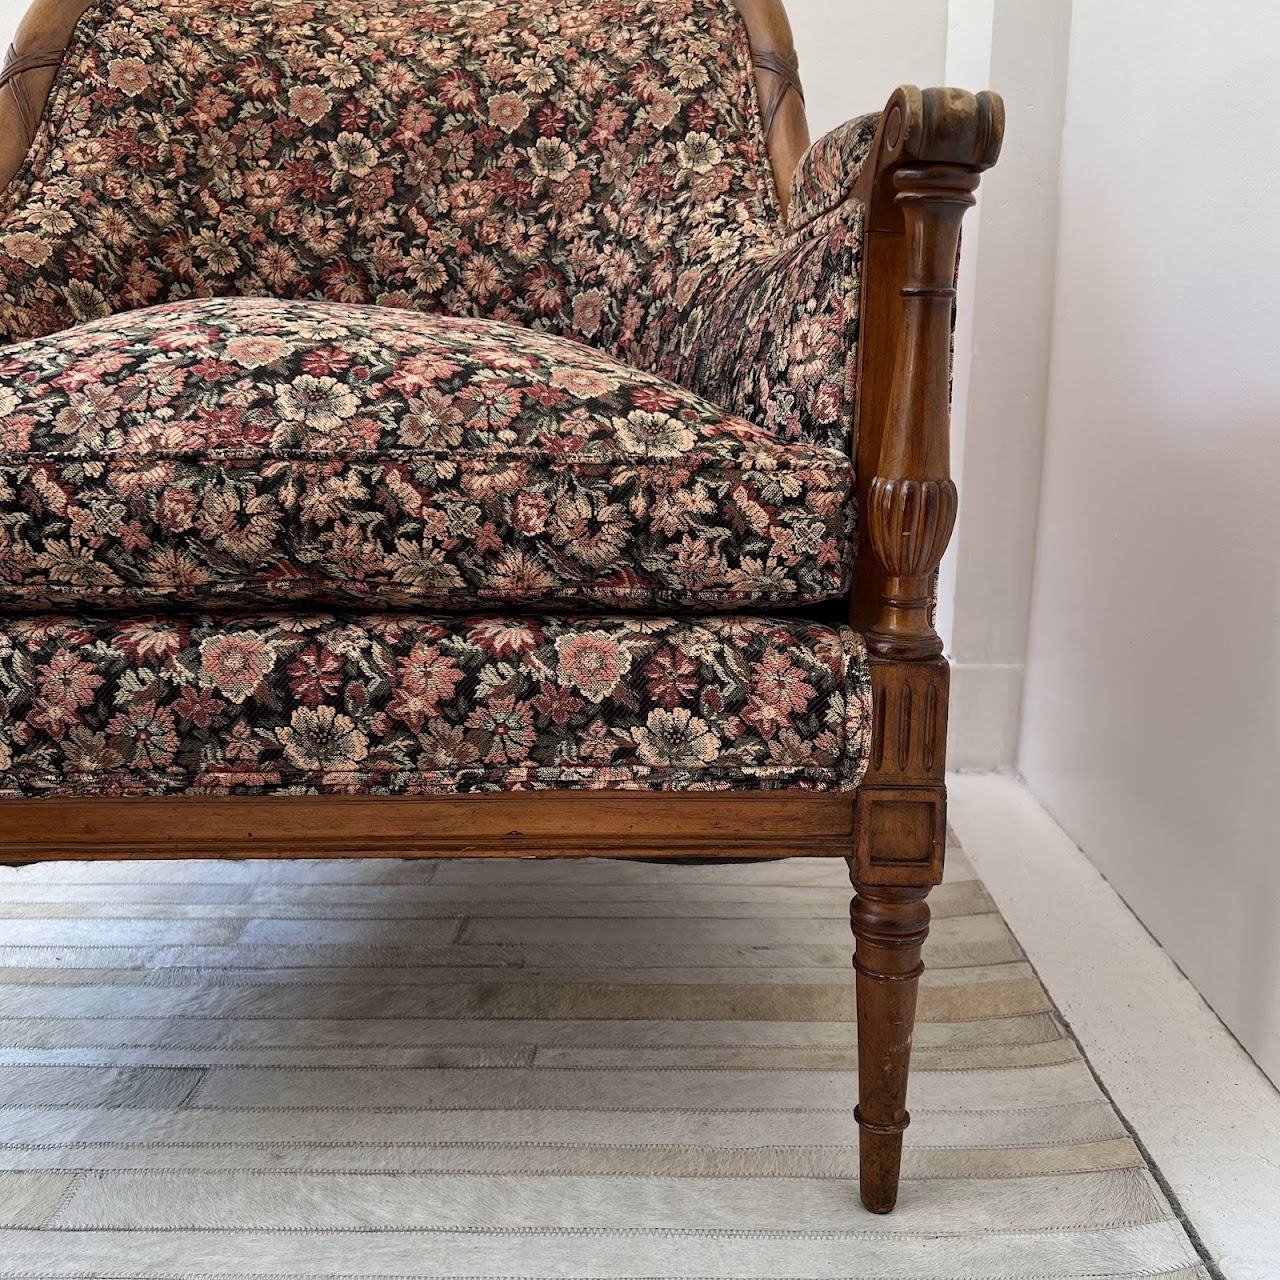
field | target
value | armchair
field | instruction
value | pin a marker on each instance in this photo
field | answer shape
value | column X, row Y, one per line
column 479, row 429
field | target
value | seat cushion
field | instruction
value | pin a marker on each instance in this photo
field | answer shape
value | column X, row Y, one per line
column 408, row 704
column 254, row 451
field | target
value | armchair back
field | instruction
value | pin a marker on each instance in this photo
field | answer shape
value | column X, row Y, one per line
column 558, row 165
column 616, row 171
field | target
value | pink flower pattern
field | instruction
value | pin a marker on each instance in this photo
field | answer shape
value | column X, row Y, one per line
column 399, row 703
column 242, row 451
column 602, row 373
column 596, row 171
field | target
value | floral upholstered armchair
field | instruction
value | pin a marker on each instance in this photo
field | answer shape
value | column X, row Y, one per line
column 479, row 428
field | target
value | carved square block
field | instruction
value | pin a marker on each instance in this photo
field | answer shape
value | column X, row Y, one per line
column 909, row 709
column 899, row 835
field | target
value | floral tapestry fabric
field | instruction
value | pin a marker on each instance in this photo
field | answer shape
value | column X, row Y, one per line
column 769, row 339
column 773, row 336
column 402, row 704
column 255, row 451
column 474, row 324
column 596, row 170
column 826, row 174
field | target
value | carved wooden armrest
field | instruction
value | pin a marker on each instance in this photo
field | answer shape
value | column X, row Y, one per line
column 929, row 150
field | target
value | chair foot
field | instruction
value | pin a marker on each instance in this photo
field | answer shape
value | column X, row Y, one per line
column 890, row 925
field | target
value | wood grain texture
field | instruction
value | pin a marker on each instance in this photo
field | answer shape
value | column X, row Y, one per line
column 491, row 824
column 929, row 152
column 891, row 925
column 930, row 149
column 778, row 86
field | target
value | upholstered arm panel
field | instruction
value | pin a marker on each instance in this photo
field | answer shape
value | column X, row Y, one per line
column 827, row 172
column 772, row 335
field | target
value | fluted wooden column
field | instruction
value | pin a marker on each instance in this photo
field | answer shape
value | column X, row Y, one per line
column 925, row 165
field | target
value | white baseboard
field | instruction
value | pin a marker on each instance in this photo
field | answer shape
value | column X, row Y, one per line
column 986, row 706
column 1208, row 1116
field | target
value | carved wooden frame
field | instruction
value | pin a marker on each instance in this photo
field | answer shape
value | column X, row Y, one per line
column 929, row 150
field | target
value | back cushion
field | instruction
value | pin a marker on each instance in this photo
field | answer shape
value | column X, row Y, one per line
column 554, row 163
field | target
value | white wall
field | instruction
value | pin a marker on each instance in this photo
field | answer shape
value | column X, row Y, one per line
column 1152, row 713
column 855, row 53
column 11, row 12
column 1001, row 368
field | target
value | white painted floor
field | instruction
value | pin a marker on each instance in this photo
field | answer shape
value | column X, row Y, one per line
column 1208, row 1117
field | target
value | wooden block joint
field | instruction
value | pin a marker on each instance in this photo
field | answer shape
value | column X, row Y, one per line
column 900, row 834
column 909, row 739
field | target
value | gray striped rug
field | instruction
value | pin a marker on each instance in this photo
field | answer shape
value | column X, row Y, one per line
column 528, row 1069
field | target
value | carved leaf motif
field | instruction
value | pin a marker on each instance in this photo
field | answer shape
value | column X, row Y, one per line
column 910, row 523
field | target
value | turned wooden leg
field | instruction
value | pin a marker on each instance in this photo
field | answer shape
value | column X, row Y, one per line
column 899, row 839
column 890, row 926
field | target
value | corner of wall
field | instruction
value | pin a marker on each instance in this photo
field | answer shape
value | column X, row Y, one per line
column 1003, row 331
